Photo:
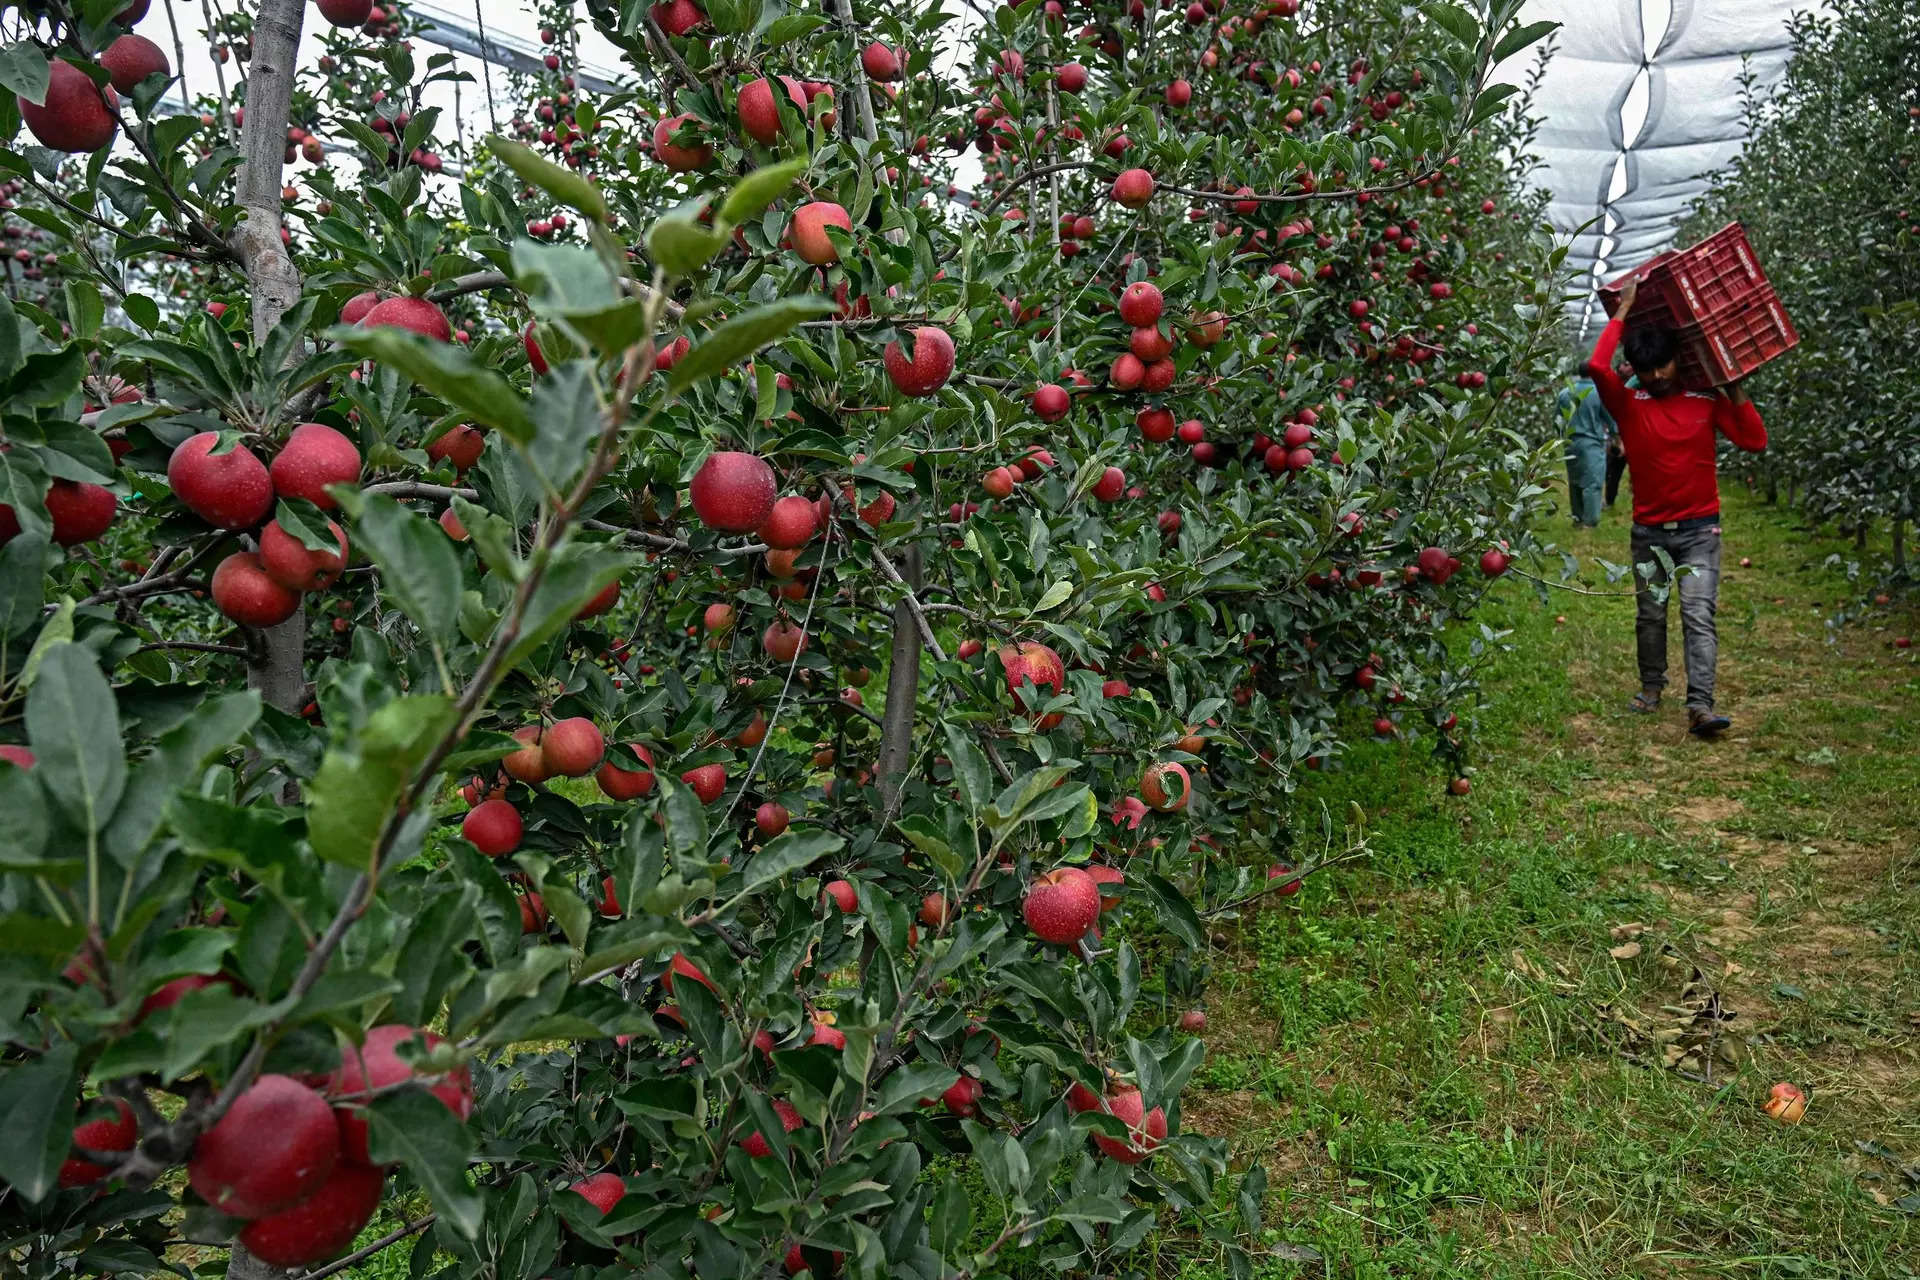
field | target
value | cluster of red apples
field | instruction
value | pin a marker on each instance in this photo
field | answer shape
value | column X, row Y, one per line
column 290, row 1157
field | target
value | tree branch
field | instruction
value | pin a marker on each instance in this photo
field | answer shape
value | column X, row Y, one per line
column 359, row 1256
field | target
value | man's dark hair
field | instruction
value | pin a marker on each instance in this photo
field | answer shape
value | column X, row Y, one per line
column 1649, row 348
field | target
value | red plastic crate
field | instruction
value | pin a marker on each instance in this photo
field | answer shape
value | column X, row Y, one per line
column 1655, row 303
column 1690, row 286
column 1735, row 341
column 1713, row 275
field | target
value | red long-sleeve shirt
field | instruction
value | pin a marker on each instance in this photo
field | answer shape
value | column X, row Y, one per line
column 1669, row 439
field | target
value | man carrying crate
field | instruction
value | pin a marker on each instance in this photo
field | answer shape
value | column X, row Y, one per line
column 1668, row 434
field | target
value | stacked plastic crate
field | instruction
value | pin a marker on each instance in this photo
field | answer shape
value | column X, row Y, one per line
column 1718, row 303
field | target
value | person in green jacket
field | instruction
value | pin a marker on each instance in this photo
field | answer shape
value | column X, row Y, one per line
column 1590, row 429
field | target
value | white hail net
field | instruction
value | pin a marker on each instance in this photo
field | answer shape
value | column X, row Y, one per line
column 1640, row 105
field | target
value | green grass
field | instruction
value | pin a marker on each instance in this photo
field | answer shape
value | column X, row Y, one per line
column 1445, row 1071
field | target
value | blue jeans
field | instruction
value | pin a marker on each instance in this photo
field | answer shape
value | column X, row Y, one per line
column 1586, row 477
column 1694, row 548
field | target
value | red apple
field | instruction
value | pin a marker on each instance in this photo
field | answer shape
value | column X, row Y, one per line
column 416, row 315
column 290, row 563
column 808, row 231
column 376, row 1064
column 131, row 59
column 493, row 827
column 928, row 369
column 1166, row 787
column 231, row 490
column 76, row 115
column 314, row 457
column 572, row 748
column 243, row 590
column 733, row 492
column 680, row 158
column 275, row 1146
column 1061, row 905
column 627, row 784
column 321, row 1226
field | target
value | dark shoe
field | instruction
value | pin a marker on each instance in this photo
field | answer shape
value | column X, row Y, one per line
column 1645, row 702
column 1705, row 723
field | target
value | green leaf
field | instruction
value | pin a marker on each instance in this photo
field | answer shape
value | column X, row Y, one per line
column 26, row 811
column 199, row 1023
column 969, row 766
column 1520, row 37
column 1058, row 801
column 85, row 309
column 925, row 834
column 36, row 1114
column 564, row 185
column 9, row 338
column 572, row 285
column 254, row 837
column 1490, row 102
column 680, row 244
column 791, row 27
column 71, row 452
column 142, row 310
column 49, row 378
column 741, row 336
column 336, row 992
column 73, row 726
column 1014, row 800
column 686, row 817
column 752, row 194
column 23, row 486
column 432, row 952
column 788, row 854
column 1054, row 595
column 418, row 566
column 181, row 952
column 412, row 1127
column 573, row 916
column 563, row 279
column 567, row 407
column 1456, row 21
column 574, row 576
column 23, row 583
column 446, row 371
column 24, row 69
column 360, row 783
column 306, row 522
column 1175, row 912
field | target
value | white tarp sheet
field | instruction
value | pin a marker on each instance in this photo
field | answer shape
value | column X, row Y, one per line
column 1641, row 102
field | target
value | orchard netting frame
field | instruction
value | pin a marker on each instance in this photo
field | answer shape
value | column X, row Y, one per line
column 1642, row 102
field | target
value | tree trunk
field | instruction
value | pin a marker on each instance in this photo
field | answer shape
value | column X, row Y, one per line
column 271, row 276
column 1860, row 536
column 275, row 665
column 1900, row 546
column 903, row 695
column 244, row 1266
column 903, row 666
column 274, row 661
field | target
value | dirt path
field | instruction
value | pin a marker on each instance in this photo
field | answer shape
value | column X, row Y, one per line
column 1529, row 1036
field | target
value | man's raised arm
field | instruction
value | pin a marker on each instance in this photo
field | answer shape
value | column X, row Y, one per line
column 1599, row 367
column 1735, row 418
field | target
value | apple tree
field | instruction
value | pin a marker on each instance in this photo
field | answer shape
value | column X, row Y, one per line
column 1826, row 188
column 685, row 702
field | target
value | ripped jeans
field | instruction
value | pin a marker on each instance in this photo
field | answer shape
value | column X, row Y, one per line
column 1694, row 547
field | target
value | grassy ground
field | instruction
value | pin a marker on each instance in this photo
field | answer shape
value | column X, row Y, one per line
column 1528, row 1037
